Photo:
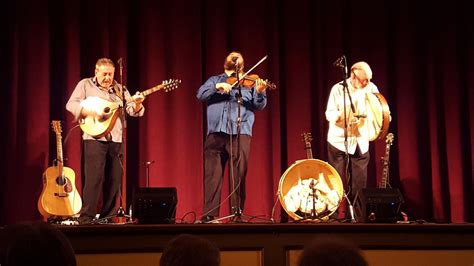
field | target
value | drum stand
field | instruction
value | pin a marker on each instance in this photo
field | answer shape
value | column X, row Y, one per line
column 314, row 216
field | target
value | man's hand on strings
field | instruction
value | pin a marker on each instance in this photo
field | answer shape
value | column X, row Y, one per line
column 138, row 98
column 260, row 85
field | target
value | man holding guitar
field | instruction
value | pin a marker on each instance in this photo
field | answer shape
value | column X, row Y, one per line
column 96, row 103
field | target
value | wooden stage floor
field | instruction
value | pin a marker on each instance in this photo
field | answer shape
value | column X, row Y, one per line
column 276, row 244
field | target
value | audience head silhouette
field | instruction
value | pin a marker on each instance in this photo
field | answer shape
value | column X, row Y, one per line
column 185, row 250
column 35, row 243
column 330, row 251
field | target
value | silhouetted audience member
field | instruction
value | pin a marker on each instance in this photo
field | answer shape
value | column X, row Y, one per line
column 333, row 252
column 36, row 243
column 187, row 250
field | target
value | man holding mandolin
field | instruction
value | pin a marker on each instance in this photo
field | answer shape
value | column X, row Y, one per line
column 97, row 102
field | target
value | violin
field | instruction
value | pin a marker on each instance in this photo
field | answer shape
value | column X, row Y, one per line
column 248, row 81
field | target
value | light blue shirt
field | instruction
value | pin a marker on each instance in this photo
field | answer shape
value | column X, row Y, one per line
column 222, row 109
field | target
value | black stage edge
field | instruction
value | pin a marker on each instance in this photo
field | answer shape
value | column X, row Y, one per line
column 274, row 241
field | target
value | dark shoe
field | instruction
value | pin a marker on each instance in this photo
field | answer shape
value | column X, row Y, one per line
column 85, row 220
column 237, row 219
column 333, row 220
column 206, row 219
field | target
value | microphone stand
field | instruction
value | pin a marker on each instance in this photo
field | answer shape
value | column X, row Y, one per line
column 235, row 161
column 237, row 215
column 147, row 172
column 121, row 212
column 312, row 186
column 346, row 146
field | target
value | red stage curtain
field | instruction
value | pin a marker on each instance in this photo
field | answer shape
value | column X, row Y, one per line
column 421, row 62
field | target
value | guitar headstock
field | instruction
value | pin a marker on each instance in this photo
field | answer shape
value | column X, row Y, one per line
column 171, row 84
column 389, row 139
column 307, row 138
column 56, row 125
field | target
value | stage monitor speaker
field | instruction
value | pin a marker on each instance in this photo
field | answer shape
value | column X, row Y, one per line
column 378, row 205
column 154, row 205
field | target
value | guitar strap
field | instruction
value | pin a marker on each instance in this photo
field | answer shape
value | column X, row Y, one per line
column 118, row 91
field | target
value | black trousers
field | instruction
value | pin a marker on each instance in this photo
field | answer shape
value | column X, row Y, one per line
column 217, row 150
column 102, row 177
column 358, row 163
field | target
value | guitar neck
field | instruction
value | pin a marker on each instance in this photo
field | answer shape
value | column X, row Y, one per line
column 152, row 90
column 307, row 144
column 309, row 152
column 59, row 149
column 129, row 99
column 59, row 152
column 386, row 165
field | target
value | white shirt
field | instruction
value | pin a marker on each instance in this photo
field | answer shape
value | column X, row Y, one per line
column 87, row 88
column 335, row 116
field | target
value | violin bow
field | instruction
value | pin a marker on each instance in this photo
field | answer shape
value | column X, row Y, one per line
column 248, row 71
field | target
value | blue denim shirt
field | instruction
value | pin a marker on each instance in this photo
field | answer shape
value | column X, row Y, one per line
column 222, row 109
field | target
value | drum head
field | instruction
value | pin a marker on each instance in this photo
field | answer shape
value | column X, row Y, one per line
column 378, row 117
column 310, row 189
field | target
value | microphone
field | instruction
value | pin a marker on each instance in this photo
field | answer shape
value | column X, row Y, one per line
column 121, row 67
column 340, row 62
column 345, row 66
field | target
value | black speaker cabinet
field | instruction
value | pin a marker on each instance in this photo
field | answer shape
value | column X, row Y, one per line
column 377, row 205
column 154, row 205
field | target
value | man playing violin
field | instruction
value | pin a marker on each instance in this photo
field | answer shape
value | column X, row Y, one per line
column 223, row 142
column 357, row 146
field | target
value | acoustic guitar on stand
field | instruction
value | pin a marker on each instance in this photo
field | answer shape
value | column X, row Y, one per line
column 59, row 196
column 100, row 125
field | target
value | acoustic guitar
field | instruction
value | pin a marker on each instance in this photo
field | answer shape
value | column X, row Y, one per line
column 100, row 125
column 59, row 196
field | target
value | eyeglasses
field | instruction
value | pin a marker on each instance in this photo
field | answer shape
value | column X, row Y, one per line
column 363, row 82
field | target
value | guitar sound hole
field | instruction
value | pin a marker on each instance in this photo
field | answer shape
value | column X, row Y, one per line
column 61, row 180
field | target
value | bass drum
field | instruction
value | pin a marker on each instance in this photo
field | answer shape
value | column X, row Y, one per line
column 310, row 189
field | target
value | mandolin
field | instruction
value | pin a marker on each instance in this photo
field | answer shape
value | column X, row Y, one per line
column 98, row 126
column 59, row 196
